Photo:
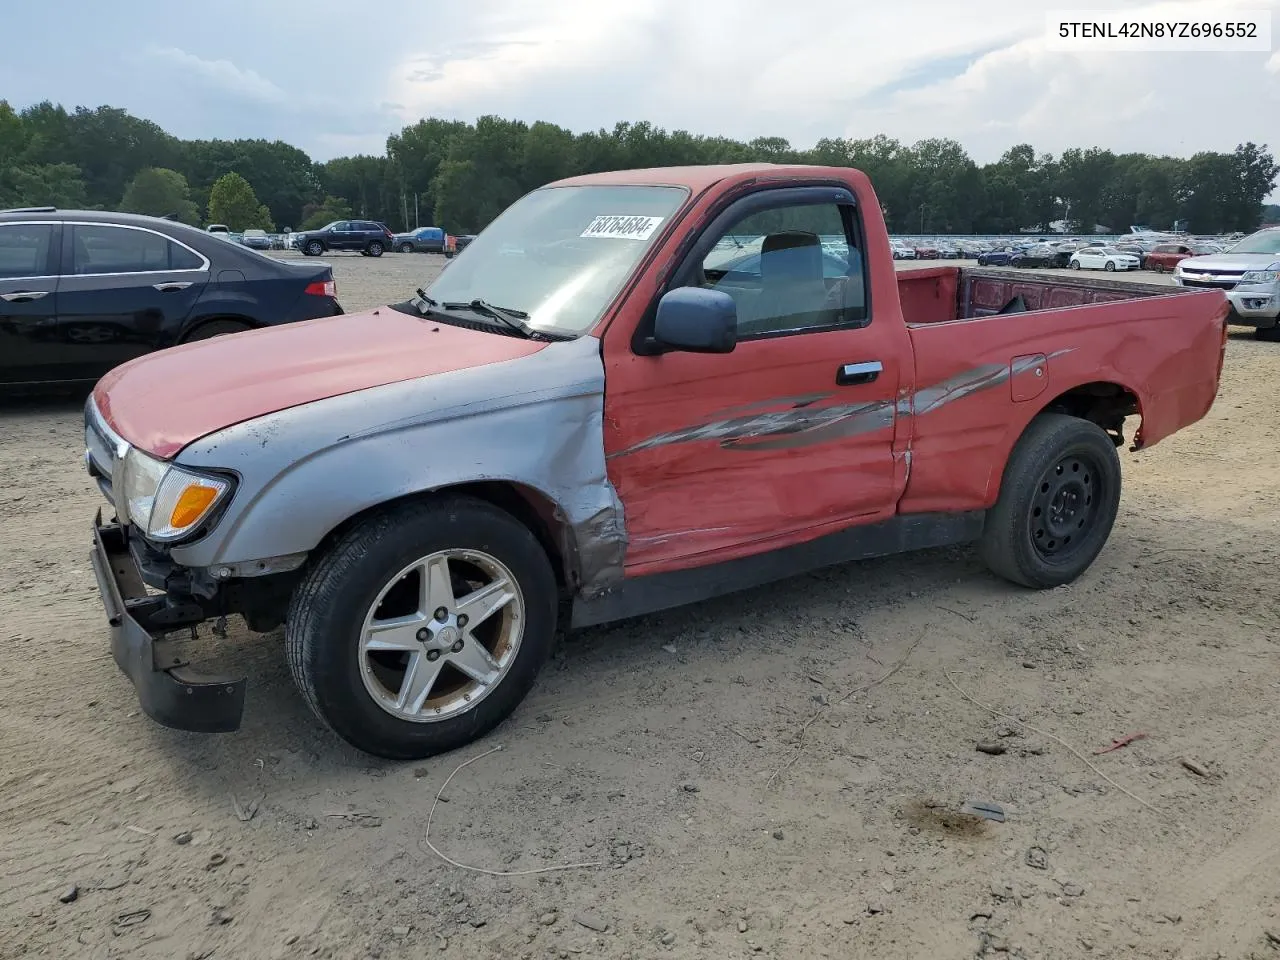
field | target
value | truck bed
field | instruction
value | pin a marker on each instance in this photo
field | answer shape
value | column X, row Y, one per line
column 942, row 294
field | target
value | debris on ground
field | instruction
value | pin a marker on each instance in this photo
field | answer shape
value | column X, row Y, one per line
column 70, row 895
column 1120, row 742
column 991, row 748
column 985, row 809
column 591, row 921
column 1199, row 769
column 1037, row 858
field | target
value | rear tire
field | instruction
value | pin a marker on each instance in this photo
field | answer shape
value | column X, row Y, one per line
column 353, row 688
column 215, row 328
column 1058, row 502
column 374, row 249
column 313, row 248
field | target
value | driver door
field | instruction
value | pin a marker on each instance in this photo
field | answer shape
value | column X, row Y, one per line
column 789, row 436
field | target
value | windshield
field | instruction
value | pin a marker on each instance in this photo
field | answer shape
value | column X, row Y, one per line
column 1266, row 241
column 560, row 254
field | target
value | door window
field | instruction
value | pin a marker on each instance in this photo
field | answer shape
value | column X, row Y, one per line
column 24, row 250
column 789, row 269
column 103, row 248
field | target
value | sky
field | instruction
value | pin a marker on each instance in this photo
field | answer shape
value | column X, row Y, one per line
column 335, row 77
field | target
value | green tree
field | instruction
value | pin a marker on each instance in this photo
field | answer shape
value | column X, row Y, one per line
column 233, row 202
column 160, row 193
column 318, row 215
column 39, row 185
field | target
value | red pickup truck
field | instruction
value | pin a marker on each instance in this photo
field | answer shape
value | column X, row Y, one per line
column 636, row 390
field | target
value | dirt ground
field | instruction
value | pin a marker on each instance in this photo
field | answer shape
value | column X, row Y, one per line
column 773, row 775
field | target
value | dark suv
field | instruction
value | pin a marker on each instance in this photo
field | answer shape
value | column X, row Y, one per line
column 368, row 237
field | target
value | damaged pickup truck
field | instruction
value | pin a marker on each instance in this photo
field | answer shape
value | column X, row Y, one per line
column 636, row 390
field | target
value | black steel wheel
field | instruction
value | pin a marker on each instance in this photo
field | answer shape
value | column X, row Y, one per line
column 1058, row 502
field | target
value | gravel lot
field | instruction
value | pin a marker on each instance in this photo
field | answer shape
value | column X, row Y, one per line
column 768, row 775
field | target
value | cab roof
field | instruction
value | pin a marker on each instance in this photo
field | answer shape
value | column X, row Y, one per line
column 699, row 178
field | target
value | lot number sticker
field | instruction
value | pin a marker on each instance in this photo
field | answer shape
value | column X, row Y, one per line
column 622, row 227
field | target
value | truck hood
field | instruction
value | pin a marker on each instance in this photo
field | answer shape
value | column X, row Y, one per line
column 163, row 401
column 1231, row 261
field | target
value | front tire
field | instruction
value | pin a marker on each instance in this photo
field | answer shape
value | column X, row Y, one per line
column 375, row 660
column 1075, row 264
column 1267, row 334
column 1110, row 266
column 406, row 248
column 1058, row 502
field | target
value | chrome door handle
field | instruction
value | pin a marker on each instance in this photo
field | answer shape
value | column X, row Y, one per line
column 855, row 373
column 23, row 296
column 173, row 286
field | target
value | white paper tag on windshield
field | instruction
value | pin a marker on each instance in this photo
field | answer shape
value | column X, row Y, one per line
column 622, row 227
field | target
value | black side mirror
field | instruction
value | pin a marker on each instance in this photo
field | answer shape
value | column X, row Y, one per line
column 697, row 320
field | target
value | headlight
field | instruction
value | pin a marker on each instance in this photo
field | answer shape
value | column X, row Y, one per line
column 1260, row 276
column 166, row 501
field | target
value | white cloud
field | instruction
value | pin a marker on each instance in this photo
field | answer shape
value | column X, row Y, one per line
column 223, row 75
column 812, row 68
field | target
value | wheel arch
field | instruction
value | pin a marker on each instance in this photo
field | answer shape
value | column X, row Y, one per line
column 531, row 507
column 195, row 323
column 1105, row 402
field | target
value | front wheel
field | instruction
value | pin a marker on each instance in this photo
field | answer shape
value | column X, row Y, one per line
column 1075, row 264
column 1058, row 502
column 423, row 627
column 406, row 248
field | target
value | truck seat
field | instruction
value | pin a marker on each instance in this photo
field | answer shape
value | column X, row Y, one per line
column 792, row 291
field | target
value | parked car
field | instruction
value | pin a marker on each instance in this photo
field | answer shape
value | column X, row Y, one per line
column 82, row 291
column 1164, row 257
column 1103, row 258
column 1249, row 273
column 421, row 240
column 256, row 239
column 367, row 237
column 217, row 228
column 901, row 251
column 995, row 258
column 926, row 251
column 295, row 475
column 1042, row 256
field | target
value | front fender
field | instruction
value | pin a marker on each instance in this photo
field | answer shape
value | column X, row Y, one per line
column 306, row 470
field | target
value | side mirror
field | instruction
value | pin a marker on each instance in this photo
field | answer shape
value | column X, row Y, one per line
column 697, row 320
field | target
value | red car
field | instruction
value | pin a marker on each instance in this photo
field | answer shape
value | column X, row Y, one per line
column 1165, row 256
column 927, row 253
column 640, row 389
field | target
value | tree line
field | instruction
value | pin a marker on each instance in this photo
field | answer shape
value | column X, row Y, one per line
column 461, row 175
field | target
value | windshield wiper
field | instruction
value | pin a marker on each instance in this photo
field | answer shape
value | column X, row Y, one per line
column 515, row 319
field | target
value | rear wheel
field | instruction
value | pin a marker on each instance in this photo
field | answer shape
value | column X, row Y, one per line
column 215, row 328
column 1058, row 502
column 313, row 248
column 423, row 627
column 374, row 249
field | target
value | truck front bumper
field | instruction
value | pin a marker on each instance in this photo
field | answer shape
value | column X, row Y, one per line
column 168, row 689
